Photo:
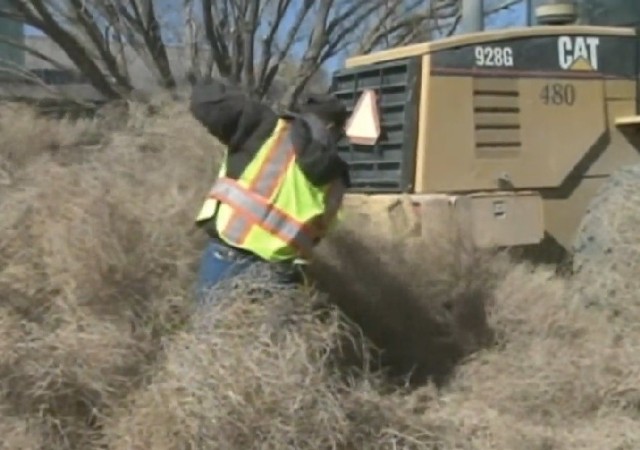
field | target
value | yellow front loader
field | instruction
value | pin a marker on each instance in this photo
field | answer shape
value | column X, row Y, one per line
column 515, row 131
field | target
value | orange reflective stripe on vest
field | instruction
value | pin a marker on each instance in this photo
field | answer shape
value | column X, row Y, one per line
column 275, row 165
column 277, row 160
column 251, row 209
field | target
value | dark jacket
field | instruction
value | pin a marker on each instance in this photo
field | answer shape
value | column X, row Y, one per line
column 243, row 124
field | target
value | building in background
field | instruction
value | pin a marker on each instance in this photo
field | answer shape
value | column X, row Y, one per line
column 63, row 79
column 23, row 75
column 12, row 57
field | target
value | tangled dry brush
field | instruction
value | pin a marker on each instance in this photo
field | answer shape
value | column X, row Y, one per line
column 430, row 346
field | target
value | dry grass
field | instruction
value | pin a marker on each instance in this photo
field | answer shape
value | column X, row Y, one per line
column 99, row 349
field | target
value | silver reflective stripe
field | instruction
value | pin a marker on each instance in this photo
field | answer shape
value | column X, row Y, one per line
column 269, row 218
column 237, row 228
column 290, row 231
column 274, row 165
column 266, row 179
column 263, row 215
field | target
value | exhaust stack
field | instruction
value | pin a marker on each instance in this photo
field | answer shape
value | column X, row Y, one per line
column 472, row 16
column 556, row 12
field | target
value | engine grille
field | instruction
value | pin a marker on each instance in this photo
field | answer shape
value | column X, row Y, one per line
column 389, row 165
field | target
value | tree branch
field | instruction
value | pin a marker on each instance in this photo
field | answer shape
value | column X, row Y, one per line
column 88, row 23
column 219, row 52
column 249, row 33
column 145, row 21
column 74, row 50
column 267, row 76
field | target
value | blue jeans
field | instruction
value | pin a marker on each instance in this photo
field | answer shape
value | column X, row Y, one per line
column 220, row 262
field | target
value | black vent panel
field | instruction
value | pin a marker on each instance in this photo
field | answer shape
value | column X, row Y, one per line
column 389, row 165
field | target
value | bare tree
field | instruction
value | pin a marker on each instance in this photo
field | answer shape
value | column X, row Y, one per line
column 262, row 34
column 246, row 41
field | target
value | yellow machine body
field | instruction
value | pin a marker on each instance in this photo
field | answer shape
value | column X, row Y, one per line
column 514, row 129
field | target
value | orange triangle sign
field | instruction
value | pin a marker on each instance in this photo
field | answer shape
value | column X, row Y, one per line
column 363, row 127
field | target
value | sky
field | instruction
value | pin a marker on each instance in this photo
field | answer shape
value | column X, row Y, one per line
column 515, row 16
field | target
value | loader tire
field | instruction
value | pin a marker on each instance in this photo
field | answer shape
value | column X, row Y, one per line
column 606, row 256
column 608, row 236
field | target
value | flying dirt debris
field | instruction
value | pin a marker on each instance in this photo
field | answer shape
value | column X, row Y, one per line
column 436, row 342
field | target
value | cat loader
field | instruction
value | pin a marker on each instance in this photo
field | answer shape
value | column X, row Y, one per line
column 528, row 136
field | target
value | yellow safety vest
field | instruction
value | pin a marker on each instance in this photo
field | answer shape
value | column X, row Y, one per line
column 272, row 209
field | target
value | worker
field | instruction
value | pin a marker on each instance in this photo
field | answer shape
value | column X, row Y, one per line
column 280, row 185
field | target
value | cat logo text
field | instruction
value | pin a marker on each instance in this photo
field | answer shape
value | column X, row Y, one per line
column 578, row 52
